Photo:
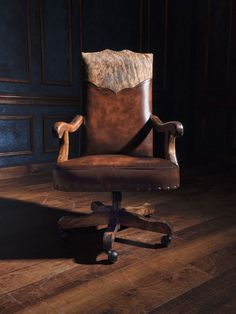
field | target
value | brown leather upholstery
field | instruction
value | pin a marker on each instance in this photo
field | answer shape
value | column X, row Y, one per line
column 115, row 122
column 119, row 151
column 118, row 125
column 116, row 172
column 114, row 118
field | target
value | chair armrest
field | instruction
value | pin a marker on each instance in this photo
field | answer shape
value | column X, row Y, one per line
column 62, row 130
column 175, row 128
column 172, row 130
column 61, row 127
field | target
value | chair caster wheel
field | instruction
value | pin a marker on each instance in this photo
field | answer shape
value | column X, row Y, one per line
column 65, row 235
column 112, row 256
column 166, row 240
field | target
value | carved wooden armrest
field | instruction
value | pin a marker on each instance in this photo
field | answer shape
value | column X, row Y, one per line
column 61, row 127
column 62, row 130
column 175, row 128
column 172, row 130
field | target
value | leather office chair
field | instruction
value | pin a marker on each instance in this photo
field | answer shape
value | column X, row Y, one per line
column 118, row 152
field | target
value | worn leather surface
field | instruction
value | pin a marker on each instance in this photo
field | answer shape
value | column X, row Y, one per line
column 118, row 130
column 118, row 122
column 115, row 172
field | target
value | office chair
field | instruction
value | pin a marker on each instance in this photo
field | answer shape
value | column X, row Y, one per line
column 117, row 145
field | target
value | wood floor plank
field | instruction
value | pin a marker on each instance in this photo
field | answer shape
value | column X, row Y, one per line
column 73, row 276
column 98, row 292
column 171, row 283
column 228, row 307
column 39, row 274
column 25, row 276
column 204, row 298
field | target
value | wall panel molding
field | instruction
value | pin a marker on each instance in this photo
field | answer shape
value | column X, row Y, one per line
column 37, row 100
column 26, row 170
column 29, row 53
column 20, row 152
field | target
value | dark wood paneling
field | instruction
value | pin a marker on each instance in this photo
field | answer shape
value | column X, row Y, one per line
column 49, row 33
column 214, row 96
column 20, row 137
column 158, row 39
column 16, row 135
column 37, row 49
column 218, row 44
column 30, row 75
column 232, row 51
column 15, row 41
column 56, row 46
column 111, row 24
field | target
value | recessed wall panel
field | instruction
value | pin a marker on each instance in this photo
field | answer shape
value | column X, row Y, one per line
column 15, row 52
column 56, row 50
column 16, row 135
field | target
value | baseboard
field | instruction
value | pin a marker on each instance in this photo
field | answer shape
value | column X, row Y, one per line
column 25, row 170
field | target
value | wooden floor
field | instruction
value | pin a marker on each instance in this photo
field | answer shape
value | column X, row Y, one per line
column 39, row 273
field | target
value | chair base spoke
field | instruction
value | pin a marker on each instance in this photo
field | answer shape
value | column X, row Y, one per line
column 113, row 217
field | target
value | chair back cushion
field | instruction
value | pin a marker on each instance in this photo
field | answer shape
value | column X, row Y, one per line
column 118, row 98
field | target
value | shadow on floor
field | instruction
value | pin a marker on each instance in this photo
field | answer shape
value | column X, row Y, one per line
column 29, row 231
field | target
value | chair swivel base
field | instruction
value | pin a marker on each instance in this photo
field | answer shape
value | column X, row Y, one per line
column 113, row 217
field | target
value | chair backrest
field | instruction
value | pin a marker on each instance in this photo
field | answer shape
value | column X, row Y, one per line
column 118, row 101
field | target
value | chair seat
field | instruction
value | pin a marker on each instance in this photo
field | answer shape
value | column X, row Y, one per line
column 105, row 173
